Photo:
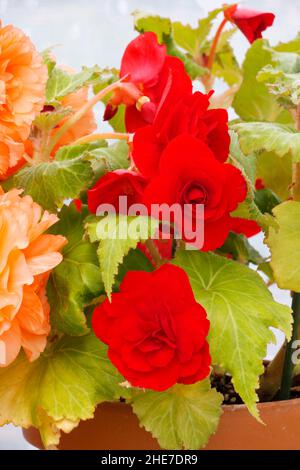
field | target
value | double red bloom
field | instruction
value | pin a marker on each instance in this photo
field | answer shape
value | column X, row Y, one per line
column 189, row 115
column 155, row 330
column 148, row 72
column 190, row 174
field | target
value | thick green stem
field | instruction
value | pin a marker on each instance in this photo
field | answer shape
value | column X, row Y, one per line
column 288, row 367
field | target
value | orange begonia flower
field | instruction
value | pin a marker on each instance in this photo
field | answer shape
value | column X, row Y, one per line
column 23, row 78
column 27, row 255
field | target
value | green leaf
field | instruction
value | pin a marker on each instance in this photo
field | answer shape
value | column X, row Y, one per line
column 241, row 311
column 226, row 66
column 272, row 137
column 291, row 46
column 106, row 159
column 135, row 260
column 283, row 78
column 61, row 83
column 266, row 200
column 48, row 59
column 114, row 157
column 160, row 26
column 238, row 246
column 48, row 120
column 117, row 235
column 247, row 165
column 184, row 416
column 60, row 388
column 253, row 102
column 77, row 280
column 193, row 39
column 275, row 172
column 286, row 87
column 105, row 77
column 266, row 269
column 285, row 246
column 193, row 69
column 51, row 183
column 69, row 152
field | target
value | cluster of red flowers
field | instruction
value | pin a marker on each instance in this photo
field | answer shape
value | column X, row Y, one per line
column 179, row 148
column 155, row 330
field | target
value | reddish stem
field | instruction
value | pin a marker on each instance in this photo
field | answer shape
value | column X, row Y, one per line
column 214, row 45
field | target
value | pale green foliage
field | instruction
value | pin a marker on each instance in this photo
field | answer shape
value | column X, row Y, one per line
column 283, row 78
column 284, row 244
column 117, row 235
column 241, row 310
column 272, row 137
column 275, row 172
column 62, row 83
column 51, row 183
column 184, row 416
column 253, row 102
column 60, row 388
column 248, row 209
column 75, row 281
column 49, row 119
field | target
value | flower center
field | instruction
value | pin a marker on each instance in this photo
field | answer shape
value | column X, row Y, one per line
column 194, row 193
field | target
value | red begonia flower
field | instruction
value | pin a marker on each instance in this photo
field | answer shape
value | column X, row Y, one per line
column 250, row 22
column 147, row 71
column 190, row 115
column 155, row 330
column 114, row 184
column 189, row 174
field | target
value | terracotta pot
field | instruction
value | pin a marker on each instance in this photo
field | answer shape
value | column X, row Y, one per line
column 115, row 427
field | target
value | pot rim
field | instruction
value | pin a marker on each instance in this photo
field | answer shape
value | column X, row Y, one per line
column 265, row 404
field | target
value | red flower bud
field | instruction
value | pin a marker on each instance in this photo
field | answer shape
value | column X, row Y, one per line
column 250, row 22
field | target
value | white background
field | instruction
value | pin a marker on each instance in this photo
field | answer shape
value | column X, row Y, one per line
column 89, row 32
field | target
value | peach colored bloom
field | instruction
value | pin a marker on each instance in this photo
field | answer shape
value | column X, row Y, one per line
column 27, row 255
column 23, row 78
column 84, row 126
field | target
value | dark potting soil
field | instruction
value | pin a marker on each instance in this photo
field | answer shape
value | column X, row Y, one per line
column 223, row 384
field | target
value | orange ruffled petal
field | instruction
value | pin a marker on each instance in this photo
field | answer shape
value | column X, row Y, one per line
column 23, row 79
column 27, row 256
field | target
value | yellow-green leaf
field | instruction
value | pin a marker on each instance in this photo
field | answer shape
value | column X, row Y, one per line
column 285, row 246
column 241, row 311
column 184, row 416
column 60, row 388
column 117, row 235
